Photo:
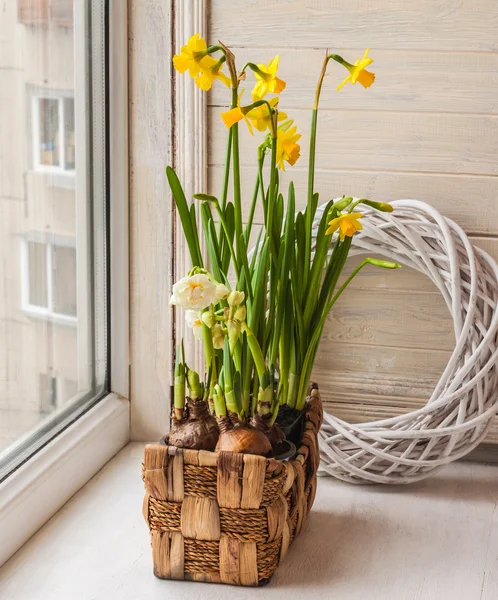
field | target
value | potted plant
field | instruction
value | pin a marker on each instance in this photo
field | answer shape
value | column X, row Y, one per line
column 259, row 314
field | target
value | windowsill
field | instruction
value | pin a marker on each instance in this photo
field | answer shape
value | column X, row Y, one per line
column 41, row 486
column 433, row 539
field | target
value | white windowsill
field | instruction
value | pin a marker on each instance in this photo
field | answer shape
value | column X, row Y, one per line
column 434, row 539
column 38, row 489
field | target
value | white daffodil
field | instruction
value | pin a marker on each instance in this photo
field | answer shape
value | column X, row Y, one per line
column 194, row 292
column 193, row 320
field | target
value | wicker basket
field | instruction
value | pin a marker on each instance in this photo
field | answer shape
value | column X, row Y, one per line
column 226, row 517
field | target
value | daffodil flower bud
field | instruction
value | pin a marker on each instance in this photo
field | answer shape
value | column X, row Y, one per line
column 236, row 298
column 222, row 292
column 233, row 328
column 218, row 336
column 241, row 313
column 208, row 318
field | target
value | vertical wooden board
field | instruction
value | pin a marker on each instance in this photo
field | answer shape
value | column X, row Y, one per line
column 230, row 477
column 248, row 563
column 253, row 481
column 175, row 474
column 276, row 514
column 229, row 560
column 200, row 518
column 177, row 557
column 155, row 476
column 151, row 212
column 161, row 554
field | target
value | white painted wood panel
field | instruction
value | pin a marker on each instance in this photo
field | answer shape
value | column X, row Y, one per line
column 151, row 250
column 427, row 129
column 418, row 81
column 398, row 24
column 469, row 200
column 384, row 141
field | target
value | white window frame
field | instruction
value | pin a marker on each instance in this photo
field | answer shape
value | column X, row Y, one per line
column 41, row 486
column 33, row 309
column 60, row 96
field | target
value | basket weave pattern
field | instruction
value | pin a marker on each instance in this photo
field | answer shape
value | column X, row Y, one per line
column 226, row 517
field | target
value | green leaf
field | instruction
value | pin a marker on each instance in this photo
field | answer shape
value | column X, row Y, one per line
column 206, row 198
column 212, row 243
column 183, row 211
column 322, row 246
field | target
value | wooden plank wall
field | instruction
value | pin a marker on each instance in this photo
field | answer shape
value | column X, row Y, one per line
column 427, row 129
column 151, row 217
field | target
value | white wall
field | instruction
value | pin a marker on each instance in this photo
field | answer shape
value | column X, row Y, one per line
column 427, row 129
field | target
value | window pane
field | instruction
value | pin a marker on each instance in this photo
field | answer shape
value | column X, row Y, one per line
column 69, row 147
column 37, row 274
column 64, row 280
column 53, row 221
column 48, row 114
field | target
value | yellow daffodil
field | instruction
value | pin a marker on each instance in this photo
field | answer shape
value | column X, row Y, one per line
column 268, row 82
column 358, row 72
column 211, row 72
column 192, row 57
column 232, row 116
column 347, row 224
column 261, row 117
column 287, row 149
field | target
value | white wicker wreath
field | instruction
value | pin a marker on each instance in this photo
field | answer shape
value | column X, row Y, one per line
column 457, row 416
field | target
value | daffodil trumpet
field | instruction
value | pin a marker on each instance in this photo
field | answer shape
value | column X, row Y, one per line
column 260, row 313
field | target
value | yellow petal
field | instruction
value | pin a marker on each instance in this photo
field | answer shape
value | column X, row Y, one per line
column 232, row 116
column 248, row 123
column 224, row 79
column 180, row 63
column 343, row 83
column 196, row 43
column 273, row 65
column 260, row 90
column 333, row 225
column 204, row 81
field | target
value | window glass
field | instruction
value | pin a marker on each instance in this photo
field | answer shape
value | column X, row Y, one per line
column 48, row 124
column 53, row 219
column 64, row 280
column 37, row 275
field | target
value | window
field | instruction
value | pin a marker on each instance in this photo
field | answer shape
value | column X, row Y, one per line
column 53, row 133
column 49, row 280
column 43, row 12
column 53, row 237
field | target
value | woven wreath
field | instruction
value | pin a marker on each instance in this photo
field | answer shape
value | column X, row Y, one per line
column 461, row 409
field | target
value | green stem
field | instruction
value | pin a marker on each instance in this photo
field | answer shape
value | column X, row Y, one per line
column 271, row 196
column 257, row 353
column 259, row 181
column 226, row 177
column 227, row 239
column 237, row 204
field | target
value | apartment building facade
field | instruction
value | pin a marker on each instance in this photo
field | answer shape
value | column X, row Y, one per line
column 38, row 214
